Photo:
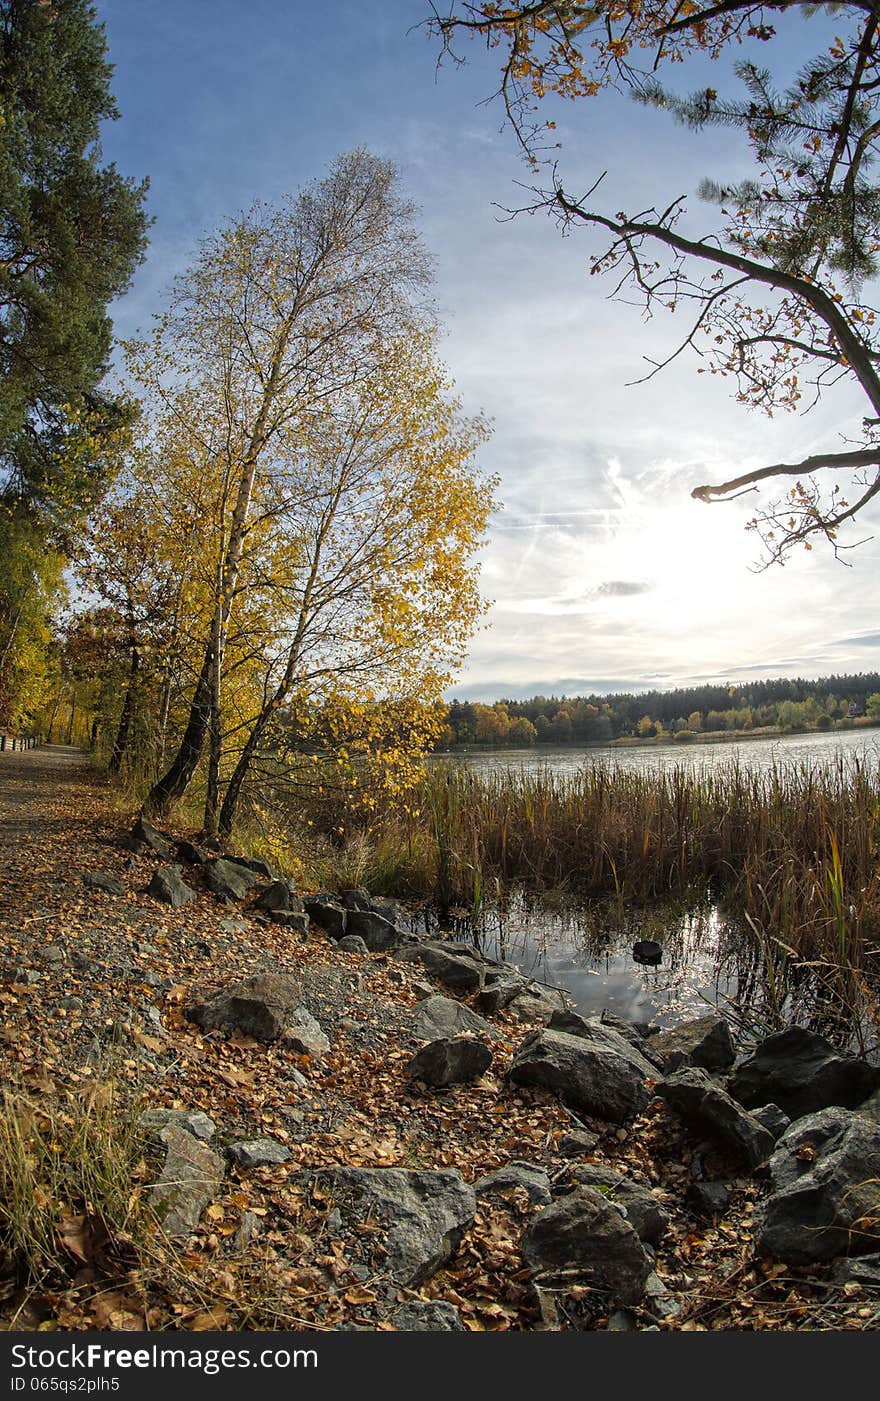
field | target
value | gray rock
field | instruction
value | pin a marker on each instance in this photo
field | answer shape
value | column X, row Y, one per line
column 537, row 1002
column 230, row 879
column 693, row 1095
column 260, row 1006
column 352, row 943
column 864, row 1271
column 304, row 1035
column 517, row 1174
column 168, row 886
column 327, row 914
column 583, row 1232
column 280, row 895
column 192, row 1121
column 457, row 971
column 378, row 933
column 294, row 920
column 425, row 1214
column 258, row 1152
column 577, row 1142
column 145, row 835
column 708, row 1198
column 576, row 1025
column 427, row 1316
column 643, row 1211
column 191, row 855
column 52, row 955
column 500, row 987
column 825, row 1176
column 103, row 881
column 621, row 1322
column 442, row 1016
column 191, row 1177
column 802, row 1073
column 450, row 1060
column 706, row 1042
column 602, row 1075
column 773, row 1118
column 253, row 863
column 359, row 899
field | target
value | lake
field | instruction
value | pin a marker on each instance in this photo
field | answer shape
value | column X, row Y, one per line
column 707, row 963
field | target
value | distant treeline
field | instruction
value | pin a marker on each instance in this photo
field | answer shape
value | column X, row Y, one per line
column 785, row 704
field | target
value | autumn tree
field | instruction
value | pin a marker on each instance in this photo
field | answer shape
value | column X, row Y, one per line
column 283, row 309
column 775, row 294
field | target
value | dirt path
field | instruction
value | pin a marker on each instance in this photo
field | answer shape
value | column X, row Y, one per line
column 41, row 790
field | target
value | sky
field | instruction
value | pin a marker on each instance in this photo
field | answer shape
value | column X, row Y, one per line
column 601, row 571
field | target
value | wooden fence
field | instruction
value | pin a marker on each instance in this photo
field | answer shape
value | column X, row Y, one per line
column 11, row 741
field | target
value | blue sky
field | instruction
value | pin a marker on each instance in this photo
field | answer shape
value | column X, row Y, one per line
column 603, row 573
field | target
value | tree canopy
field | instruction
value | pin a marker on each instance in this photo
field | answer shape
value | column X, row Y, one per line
column 775, row 295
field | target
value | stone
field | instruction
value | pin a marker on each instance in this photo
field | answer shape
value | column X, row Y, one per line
column 144, row 835
column 279, row 895
column 424, row 1214
column 500, row 987
column 193, row 1121
column 576, row 1143
column 352, row 943
column 427, row 1316
column 229, row 879
column 52, row 955
column 576, row 1025
column 706, row 1042
column 294, row 920
column 168, row 886
column 864, row 1271
column 258, row 1152
column 253, row 863
column 260, row 1006
column 190, row 1178
column 647, row 951
column 621, row 1322
column 602, row 1075
column 825, row 1189
column 456, row 971
column 305, row 1035
column 439, row 1016
column 327, row 914
column 699, row 1101
column 773, row 1118
column 708, row 1198
column 450, row 1060
column 643, row 1211
column 536, row 1002
column 378, row 933
column 192, row 855
column 517, row 1174
column 585, row 1234
column 103, row 881
column 802, row 1073
column 359, row 899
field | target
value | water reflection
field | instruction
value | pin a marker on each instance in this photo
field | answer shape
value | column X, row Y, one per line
column 709, row 963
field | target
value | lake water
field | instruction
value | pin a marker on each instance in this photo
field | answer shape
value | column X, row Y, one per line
column 706, row 963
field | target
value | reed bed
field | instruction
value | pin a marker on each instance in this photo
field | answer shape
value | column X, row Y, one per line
column 790, row 851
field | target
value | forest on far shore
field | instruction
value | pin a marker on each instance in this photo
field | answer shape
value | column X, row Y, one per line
column 786, row 704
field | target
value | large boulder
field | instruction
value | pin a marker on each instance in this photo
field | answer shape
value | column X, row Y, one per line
column 500, row 986
column 706, row 1042
column 802, row 1073
column 451, row 1060
column 584, row 1234
column 145, row 836
column 643, row 1211
column 260, row 1006
column 104, row 881
column 576, row 1025
column 461, row 971
column 191, row 1177
column 825, row 1198
column 424, row 1214
column 278, row 896
column 327, row 913
column 230, row 879
column 304, row 1034
column 515, row 1174
column 378, row 933
column 443, row 1016
column 699, row 1101
column 601, row 1075
column 168, row 886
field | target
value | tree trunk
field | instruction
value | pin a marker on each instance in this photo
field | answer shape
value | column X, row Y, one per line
column 120, row 744
column 173, row 784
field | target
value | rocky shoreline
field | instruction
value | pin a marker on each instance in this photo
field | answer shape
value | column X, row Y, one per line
column 398, row 1133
